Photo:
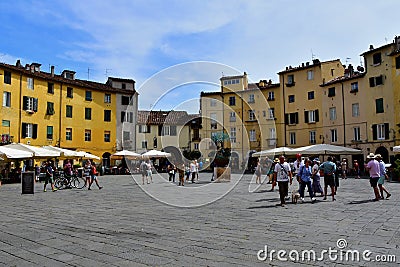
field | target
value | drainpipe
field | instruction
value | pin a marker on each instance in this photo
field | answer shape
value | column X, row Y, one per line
column 344, row 116
column 20, row 109
column 284, row 108
column 59, row 119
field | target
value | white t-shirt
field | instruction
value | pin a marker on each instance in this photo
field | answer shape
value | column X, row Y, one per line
column 297, row 165
column 282, row 174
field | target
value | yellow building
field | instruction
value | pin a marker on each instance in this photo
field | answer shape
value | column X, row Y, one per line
column 303, row 100
column 41, row 108
column 395, row 67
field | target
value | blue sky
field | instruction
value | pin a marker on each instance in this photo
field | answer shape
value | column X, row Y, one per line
column 155, row 39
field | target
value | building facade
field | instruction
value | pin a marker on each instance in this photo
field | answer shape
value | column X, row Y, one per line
column 41, row 108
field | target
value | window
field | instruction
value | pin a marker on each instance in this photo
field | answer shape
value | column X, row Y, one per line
column 30, row 104
column 232, row 116
column 333, row 135
column 30, row 83
column 6, row 99
column 107, row 136
column 264, row 113
column 292, row 138
column 213, row 102
column 252, row 134
column 332, row 72
column 144, row 128
column 88, row 135
column 233, row 135
column 232, row 101
column 107, row 115
column 290, row 80
column 271, row 112
column 49, row 132
column 7, row 77
column 376, row 59
column 88, row 96
column 126, row 136
column 311, row 116
column 271, row 96
column 332, row 113
column 331, row 92
column 252, row 115
column 354, row 87
column 50, row 88
column 167, row 130
column 251, row 98
column 70, row 92
column 380, row 131
column 68, row 111
column 68, row 134
column 144, row 144
column 107, row 98
column 5, row 123
column 292, row 118
column 310, row 75
column 357, row 135
column 126, row 116
column 312, row 137
column 375, row 81
column 291, row 98
column 355, row 110
column 379, row 105
column 196, row 146
column 397, row 64
column 172, row 130
column 233, row 81
column 272, row 133
column 213, row 117
column 88, row 113
column 123, row 85
column 50, row 108
column 29, row 130
column 310, row 95
column 125, row 100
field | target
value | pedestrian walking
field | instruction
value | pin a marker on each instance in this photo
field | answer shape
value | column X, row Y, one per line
column 149, row 171
column 49, row 177
column 276, row 161
column 181, row 173
column 316, row 178
column 305, row 174
column 143, row 171
column 93, row 176
column 87, row 172
column 297, row 164
column 329, row 168
column 193, row 170
column 171, row 172
column 344, row 168
column 282, row 176
column 336, row 173
column 374, row 174
column 197, row 169
column 383, row 176
column 356, row 168
column 37, row 172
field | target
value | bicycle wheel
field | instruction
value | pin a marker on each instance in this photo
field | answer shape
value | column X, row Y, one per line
column 78, row 182
column 59, row 183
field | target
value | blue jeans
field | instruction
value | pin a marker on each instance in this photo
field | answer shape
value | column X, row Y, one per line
column 303, row 186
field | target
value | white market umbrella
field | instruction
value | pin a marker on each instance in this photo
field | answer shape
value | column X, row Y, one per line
column 11, row 153
column 65, row 153
column 155, row 154
column 87, row 155
column 325, row 149
column 38, row 152
column 274, row 151
column 125, row 154
column 396, row 149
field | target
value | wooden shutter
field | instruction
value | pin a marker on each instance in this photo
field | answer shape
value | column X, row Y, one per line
column 296, row 117
column 316, row 115
column 23, row 130
column 306, row 116
column 286, row 118
column 372, row 81
column 34, row 131
column 374, row 132
column 160, row 130
column 25, row 103
column 35, row 104
column 122, row 116
column 386, row 131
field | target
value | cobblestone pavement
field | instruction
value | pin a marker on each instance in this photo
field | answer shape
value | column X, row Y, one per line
column 121, row 225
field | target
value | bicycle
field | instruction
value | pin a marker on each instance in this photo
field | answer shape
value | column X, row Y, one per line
column 64, row 181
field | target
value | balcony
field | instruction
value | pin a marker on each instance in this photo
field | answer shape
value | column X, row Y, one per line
column 290, row 84
column 271, row 142
column 196, row 138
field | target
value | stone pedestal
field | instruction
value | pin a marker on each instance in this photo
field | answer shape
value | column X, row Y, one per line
column 222, row 174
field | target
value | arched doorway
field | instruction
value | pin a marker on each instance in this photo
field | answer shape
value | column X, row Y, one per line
column 234, row 161
column 106, row 159
column 384, row 153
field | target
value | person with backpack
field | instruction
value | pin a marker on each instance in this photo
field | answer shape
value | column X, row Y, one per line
column 282, row 175
column 329, row 169
column 305, row 174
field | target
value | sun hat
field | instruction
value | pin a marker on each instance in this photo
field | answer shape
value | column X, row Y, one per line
column 378, row 156
column 316, row 160
column 276, row 160
column 371, row 156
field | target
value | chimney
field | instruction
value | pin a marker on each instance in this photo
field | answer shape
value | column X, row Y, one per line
column 371, row 47
column 18, row 64
column 351, row 70
column 307, row 64
column 302, row 64
column 52, row 71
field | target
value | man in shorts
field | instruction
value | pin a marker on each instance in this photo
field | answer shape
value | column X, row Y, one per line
column 143, row 171
column 329, row 169
column 374, row 174
column 282, row 175
column 49, row 177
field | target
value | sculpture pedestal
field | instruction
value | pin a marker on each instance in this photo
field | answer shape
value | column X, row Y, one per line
column 222, row 174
